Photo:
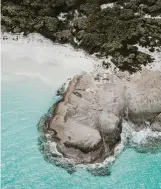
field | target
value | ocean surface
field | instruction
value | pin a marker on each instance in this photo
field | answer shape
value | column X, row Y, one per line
column 27, row 93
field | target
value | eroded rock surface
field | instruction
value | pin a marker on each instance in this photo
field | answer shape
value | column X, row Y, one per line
column 87, row 122
column 144, row 96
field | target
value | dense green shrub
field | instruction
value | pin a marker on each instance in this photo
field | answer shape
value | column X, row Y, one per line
column 111, row 31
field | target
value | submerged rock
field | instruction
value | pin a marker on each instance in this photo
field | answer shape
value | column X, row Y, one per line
column 100, row 171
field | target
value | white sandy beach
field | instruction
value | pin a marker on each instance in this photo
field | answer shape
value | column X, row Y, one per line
column 34, row 57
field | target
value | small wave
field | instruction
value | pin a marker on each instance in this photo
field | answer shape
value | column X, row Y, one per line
column 34, row 76
column 144, row 138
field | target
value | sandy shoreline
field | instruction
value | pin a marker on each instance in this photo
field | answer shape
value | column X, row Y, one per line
column 35, row 56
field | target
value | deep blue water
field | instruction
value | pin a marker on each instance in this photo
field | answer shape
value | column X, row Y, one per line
column 23, row 166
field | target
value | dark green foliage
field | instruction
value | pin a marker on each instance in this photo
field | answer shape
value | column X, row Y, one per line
column 111, row 31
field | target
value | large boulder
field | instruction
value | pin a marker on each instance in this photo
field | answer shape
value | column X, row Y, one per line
column 144, row 96
column 86, row 122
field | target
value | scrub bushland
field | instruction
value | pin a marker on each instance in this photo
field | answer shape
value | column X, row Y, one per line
column 112, row 31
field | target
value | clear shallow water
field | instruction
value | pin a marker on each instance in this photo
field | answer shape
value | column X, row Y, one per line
column 24, row 100
column 23, row 167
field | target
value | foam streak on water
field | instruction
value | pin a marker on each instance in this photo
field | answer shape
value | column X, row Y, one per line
column 32, row 69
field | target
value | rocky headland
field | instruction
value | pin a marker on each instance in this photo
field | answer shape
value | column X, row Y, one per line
column 86, row 125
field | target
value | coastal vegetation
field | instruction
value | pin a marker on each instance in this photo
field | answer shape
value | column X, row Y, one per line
column 114, row 30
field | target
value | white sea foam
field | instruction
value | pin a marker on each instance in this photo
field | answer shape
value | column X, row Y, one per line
column 136, row 138
column 53, row 149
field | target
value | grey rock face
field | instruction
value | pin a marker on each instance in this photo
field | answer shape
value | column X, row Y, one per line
column 144, row 96
column 110, row 126
column 87, row 121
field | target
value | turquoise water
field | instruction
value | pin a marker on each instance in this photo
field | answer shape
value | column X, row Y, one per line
column 23, row 167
